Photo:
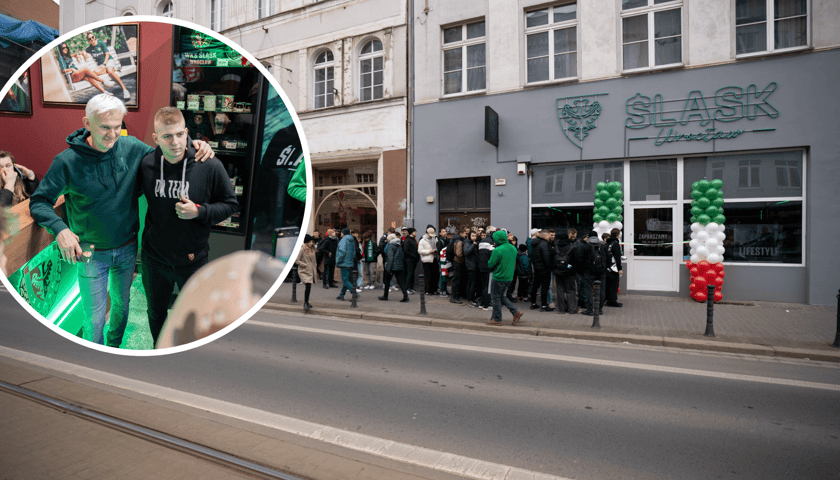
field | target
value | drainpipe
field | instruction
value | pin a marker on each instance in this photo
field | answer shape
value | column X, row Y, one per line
column 409, row 220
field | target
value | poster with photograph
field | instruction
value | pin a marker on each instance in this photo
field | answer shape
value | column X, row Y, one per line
column 103, row 59
column 18, row 101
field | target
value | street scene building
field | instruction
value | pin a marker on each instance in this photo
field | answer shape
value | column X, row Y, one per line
column 343, row 66
column 653, row 94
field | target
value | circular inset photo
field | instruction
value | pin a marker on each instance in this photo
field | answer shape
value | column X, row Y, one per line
column 153, row 185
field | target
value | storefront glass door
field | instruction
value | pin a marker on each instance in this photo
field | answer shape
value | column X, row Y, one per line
column 652, row 257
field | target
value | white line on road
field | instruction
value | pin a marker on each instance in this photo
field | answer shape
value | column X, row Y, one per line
column 401, row 452
column 561, row 358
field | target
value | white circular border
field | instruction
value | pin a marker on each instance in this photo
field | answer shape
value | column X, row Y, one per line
column 306, row 158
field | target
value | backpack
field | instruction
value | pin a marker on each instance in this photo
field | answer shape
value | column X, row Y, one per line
column 562, row 260
column 523, row 265
column 598, row 261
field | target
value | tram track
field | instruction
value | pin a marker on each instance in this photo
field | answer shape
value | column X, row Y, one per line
column 217, row 457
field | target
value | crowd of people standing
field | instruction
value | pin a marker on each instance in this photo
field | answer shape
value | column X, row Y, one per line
column 484, row 268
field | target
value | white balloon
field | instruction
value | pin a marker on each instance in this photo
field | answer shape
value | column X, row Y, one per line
column 604, row 224
column 711, row 243
column 720, row 250
column 722, row 227
column 720, row 236
column 693, row 251
column 693, row 235
column 695, row 258
column 696, row 226
column 702, row 251
column 694, row 243
column 714, row 258
column 618, row 225
column 702, row 235
column 712, row 227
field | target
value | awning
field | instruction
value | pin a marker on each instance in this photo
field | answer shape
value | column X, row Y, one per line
column 24, row 33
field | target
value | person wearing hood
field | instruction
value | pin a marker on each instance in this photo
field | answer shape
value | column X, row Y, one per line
column 473, row 278
column 394, row 266
column 502, row 262
column 595, row 269
column 412, row 258
column 345, row 259
column 97, row 174
column 541, row 261
column 327, row 248
column 485, row 249
column 185, row 199
column 427, row 249
column 564, row 273
column 307, row 268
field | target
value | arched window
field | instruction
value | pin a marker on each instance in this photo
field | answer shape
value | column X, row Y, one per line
column 166, row 9
column 324, row 79
column 371, row 61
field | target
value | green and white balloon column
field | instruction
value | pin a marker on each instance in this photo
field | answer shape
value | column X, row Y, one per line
column 707, row 235
column 609, row 207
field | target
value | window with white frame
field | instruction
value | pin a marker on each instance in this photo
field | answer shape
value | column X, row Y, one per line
column 166, row 9
column 371, row 71
column 583, row 178
column 218, row 12
column 651, row 32
column 266, row 8
column 324, row 79
column 554, row 180
column 786, row 27
column 464, row 58
column 551, row 42
column 749, row 174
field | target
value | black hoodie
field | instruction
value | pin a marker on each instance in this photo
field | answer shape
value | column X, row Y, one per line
column 167, row 238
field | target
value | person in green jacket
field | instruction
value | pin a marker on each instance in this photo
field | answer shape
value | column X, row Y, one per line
column 97, row 174
column 503, row 264
column 297, row 185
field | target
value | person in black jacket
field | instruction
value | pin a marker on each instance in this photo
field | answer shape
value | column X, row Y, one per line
column 577, row 265
column 471, row 260
column 614, row 271
column 185, row 199
column 412, row 258
column 394, row 266
column 485, row 249
column 564, row 274
column 328, row 248
column 595, row 269
column 442, row 242
column 541, row 261
column 455, row 256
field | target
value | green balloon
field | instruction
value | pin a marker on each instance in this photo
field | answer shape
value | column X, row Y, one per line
column 604, row 211
column 610, row 202
column 612, row 187
column 695, row 194
column 712, row 193
column 596, row 218
column 703, row 202
column 600, row 186
column 695, row 185
column 612, row 218
column 717, row 183
column 599, row 203
column 718, row 202
column 720, row 219
column 712, row 211
column 617, row 210
column 603, row 195
column 703, row 185
column 693, row 219
column 618, row 194
column 696, row 211
column 619, row 218
column 704, row 219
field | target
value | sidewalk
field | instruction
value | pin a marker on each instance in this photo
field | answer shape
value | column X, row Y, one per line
column 761, row 328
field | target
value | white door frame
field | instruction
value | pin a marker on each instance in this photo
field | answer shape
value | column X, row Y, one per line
column 644, row 271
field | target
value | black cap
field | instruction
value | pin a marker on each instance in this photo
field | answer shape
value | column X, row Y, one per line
column 345, row 231
column 593, row 233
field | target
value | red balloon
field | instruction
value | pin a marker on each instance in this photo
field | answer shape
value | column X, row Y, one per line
column 692, row 287
column 689, row 264
column 700, row 296
column 718, row 296
column 718, row 282
column 718, row 267
column 703, row 265
column 721, row 273
column 701, row 283
column 695, row 271
column 710, row 276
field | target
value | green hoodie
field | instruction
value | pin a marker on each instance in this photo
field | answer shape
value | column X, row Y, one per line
column 100, row 189
column 503, row 259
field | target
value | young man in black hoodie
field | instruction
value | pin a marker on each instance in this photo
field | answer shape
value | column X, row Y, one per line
column 185, row 199
column 412, row 258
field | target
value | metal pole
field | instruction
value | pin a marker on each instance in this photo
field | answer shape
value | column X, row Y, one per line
column 837, row 335
column 710, row 311
column 354, row 276
column 596, row 304
column 295, row 280
column 422, row 295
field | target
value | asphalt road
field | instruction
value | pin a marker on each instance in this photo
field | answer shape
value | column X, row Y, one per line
column 572, row 409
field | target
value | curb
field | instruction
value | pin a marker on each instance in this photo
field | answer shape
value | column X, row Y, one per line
column 649, row 340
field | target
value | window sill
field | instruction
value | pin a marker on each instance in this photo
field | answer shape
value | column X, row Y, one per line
column 637, row 71
column 552, row 82
column 745, row 56
column 474, row 93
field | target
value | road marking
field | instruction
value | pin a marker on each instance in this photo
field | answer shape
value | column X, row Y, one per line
column 401, row 452
column 561, row 358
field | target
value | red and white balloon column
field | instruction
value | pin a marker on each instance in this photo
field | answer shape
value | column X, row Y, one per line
column 707, row 236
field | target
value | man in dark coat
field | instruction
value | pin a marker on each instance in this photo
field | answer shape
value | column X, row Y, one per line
column 328, row 248
column 564, row 274
column 455, row 255
column 541, row 261
column 485, row 249
column 595, row 269
column 412, row 258
column 614, row 271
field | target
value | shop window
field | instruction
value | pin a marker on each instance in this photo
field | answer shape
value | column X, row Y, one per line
column 464, row 194
column 218, row 13
column 614, row 172
column 651, row 33
column 583, row 178
column 561, row 218
column 551, row 43
column 788, row 174
column 786, row 27
column 324, row 79
column 371, row 70
column 464, row 58
column 653, row 180
column 742, row 174
column 552, row 185
column 749, row 174
column 266, row 8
